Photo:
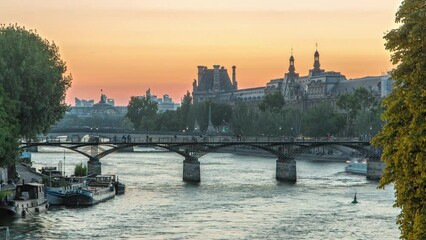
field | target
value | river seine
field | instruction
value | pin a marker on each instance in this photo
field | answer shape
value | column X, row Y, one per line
column 238, row 198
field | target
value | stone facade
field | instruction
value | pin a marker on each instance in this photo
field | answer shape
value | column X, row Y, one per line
column 212, row 83
column 302, row 91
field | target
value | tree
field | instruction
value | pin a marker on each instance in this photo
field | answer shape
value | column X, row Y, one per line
column 347, row 103
column 32, row 88
column 321, row 121
column 80, row 170
column 9, row 147
column 359, row 104
column 403, row 136
column 167, row 121
column 273, row 102
column 32, row 74
column 184, row 110
column 141, row 108
column 221, row 113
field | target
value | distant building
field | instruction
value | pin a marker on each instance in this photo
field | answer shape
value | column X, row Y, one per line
column 111, row 101
column 300, row 91
column 83, row 103
column 103, row 108
column 164, row 104
column 213, row 82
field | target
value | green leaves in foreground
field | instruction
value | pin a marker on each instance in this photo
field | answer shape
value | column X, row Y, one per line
column 404, row 134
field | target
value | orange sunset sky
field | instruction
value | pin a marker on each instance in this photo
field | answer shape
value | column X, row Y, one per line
column 126, row 47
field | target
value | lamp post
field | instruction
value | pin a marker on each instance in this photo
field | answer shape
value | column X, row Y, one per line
column 280, row 132
column 371, row 133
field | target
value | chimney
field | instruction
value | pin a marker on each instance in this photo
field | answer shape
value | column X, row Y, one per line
column 200, row 72
column 234, row 77
column 216, row 78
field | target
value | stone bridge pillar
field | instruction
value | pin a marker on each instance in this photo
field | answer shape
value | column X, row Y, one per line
column 191, row 170
column 375, row 168
column 94, row 166
column 286, row 170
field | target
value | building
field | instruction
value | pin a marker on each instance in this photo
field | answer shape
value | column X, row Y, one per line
column 301, row 91
column 83, row 103
column 104, row 108
column 164, row 104
column 212, row 83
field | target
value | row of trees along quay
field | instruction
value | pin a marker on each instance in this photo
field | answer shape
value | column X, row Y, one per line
column 356, row 114
column 31, row 68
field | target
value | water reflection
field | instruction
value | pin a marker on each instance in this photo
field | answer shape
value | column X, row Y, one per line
column 238, row 198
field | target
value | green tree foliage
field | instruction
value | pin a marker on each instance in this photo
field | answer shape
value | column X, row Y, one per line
column 168, row 121
column 404, row 135
column 362, row 111
column 221, row 113
column 80, row 170
column 243, row 118
column 9, row 147
column 273, row 102
column 32, row 88
column 184, row 111
column 141, row 111
column 321, row 121
column 32, row 74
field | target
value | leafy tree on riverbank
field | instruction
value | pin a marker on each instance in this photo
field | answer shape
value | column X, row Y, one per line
column 273, row 102
column 32, row 74
column 404, row 135
column 80, row 170
column 321, row 120
column 9, row 147
column 141, row 111
column 33, row 84
column 362, row 110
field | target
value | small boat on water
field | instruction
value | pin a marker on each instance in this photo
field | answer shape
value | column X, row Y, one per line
column 29, row 198
column 119, row 187
column 99, row 189
column 357, row 166
column 57, row 185
column 60, row 187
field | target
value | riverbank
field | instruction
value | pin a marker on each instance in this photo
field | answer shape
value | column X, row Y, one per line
column 302, row 156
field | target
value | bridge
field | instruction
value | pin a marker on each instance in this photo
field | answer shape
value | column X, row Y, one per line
column 192, row 149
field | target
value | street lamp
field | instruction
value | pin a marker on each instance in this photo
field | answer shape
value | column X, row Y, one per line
column 280, row 135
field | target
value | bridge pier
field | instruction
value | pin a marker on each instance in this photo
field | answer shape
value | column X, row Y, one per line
column 286, row 170
column 375, row 168
column 191, row 170
column 94, row 166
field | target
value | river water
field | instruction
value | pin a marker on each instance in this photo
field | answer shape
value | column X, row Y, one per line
column 238, row 198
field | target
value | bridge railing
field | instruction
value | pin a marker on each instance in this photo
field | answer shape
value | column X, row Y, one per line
column 184, row 138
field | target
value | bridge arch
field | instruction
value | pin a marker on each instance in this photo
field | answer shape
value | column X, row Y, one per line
column 196, row 150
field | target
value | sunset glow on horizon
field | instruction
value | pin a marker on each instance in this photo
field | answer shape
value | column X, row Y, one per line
column 126, row 47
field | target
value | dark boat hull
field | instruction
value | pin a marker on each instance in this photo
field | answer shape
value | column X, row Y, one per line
column 78, row 199
column 120, row 188
column 88, row 198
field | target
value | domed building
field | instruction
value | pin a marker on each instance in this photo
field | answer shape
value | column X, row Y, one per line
column 104, row 109
column 99, row 115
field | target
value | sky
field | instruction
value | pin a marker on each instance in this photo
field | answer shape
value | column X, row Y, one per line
column 126, row 47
